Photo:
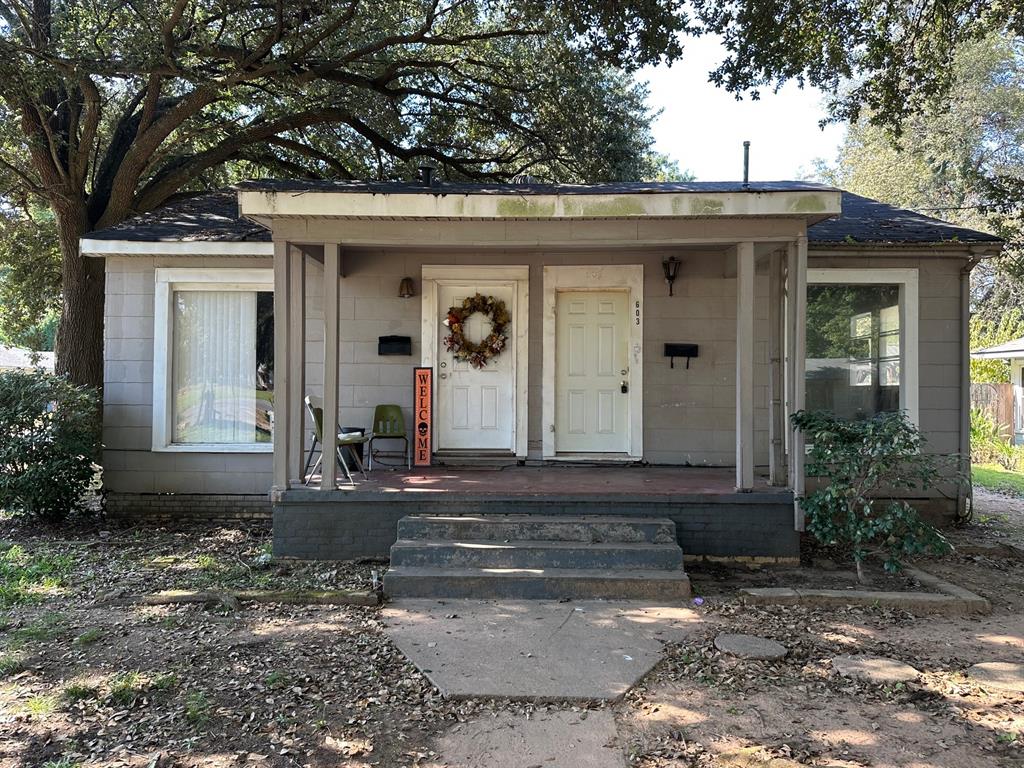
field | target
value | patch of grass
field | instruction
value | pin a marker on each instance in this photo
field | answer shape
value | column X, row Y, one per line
column 170, row 622
column 89, row 637
column 43, row 629
column 10, row 663
column 64, row 762
column 39, row 706
column 125, row 688
column 197, row 708
column 30, row 577
column 275, row 680
column 79, row 692
column 207, row 563
column 165, row 681
column 994, row 478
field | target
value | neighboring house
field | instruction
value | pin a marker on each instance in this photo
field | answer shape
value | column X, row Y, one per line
column 215, row 331
column 1013, row 352
column 16, row 358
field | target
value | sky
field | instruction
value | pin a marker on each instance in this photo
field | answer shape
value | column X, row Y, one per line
column 704, row 127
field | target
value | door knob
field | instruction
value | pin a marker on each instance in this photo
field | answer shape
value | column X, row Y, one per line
column 444, row 375
column 623, row 385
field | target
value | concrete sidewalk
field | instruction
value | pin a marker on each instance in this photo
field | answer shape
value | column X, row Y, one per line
column 535, row 650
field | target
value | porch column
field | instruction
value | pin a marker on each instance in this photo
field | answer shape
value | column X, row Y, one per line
column 799, row 284
column 330, row 309
column 282, row 400
column 296, row 363
column 776, row 410
column 745, row 366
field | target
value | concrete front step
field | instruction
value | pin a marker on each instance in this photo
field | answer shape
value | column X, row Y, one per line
column 537, row 584
column 568, row 528
column 536, row 554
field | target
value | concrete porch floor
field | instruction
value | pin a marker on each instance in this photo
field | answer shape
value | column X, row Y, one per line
column 560, row 480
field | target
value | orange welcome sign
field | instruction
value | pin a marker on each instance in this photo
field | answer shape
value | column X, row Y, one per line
column 423, row 411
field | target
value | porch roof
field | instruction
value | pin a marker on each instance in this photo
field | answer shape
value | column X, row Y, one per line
column 211, row 223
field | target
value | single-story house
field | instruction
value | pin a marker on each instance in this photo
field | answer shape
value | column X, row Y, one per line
column 653, row 338
column 1013, row 352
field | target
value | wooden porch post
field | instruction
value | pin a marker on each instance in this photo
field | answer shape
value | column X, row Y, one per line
column 745, row 366
column 296, row 363
column 776, row 411
column 790, row 337
column 330, row 309
column 799, row 282
column 282, row 402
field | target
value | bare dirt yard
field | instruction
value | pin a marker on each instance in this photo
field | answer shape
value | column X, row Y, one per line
column 87, row 682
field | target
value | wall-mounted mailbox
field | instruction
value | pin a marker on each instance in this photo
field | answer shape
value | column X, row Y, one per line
column 674, row 350
column 394, row 345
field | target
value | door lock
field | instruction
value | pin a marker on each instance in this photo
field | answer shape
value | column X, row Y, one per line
column 625, row 387
column 444, row 376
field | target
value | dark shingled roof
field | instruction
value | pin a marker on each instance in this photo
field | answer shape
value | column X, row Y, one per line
column 214, row 216
column 868, row 221
column 210, row 217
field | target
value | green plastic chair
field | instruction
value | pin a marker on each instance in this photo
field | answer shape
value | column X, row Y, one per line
column 315, row 407
column 388, row 424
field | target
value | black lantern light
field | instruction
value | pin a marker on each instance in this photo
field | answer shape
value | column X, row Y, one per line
column 671, row 268
column 405, row 288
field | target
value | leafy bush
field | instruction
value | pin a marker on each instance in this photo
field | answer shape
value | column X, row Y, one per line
column 990, row 440
column 864, row 465
column 48, row 437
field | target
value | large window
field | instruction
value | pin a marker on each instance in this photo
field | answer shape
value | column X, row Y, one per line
column 862, row 341
column 214, row 360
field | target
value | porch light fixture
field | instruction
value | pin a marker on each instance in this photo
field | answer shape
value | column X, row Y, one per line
column 671, row 269
column 405, row 288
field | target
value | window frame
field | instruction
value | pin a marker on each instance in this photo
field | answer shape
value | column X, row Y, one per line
column 169, row 280
column 907, row 279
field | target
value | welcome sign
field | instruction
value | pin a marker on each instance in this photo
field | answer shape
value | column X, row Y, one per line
column 423, row 410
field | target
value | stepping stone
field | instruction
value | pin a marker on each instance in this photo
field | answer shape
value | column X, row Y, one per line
column 874, row 669
column 750, row 647
column 999, row 674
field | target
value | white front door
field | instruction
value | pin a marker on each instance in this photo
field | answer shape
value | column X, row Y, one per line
column 592, row 372
column 476, row 407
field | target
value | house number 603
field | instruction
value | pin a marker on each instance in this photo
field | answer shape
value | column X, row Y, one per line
column 636, row 312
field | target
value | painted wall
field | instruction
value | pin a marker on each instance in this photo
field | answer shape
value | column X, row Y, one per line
column 689, row 415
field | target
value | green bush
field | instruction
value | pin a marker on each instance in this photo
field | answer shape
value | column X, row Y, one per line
column 990, row 440
column 865, row 466
column 48, row 437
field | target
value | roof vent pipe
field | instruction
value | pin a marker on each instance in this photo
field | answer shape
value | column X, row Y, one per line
column 746, row 165
column 426, row 175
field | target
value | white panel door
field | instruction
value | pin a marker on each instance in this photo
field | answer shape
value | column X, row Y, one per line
column 591, row 370
column 476, row 408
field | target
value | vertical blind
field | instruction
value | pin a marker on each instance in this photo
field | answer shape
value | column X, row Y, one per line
column 214, row 367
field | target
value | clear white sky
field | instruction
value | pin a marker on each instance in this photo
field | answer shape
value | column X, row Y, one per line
column 703, row 127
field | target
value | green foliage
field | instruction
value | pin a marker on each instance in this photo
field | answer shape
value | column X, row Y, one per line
column 74, row 692
column 29, row 279
column 864, row 466
column 126, row 688
column 27, row 577
column 990, row 440
column 197, row 708
column 996, row 478
column 987, row 331
column 48, row 431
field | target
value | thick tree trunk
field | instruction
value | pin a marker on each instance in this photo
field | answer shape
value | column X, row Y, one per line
column 80, row 333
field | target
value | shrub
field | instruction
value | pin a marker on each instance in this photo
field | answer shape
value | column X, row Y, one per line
column 864, row 466
column 990, row 440
column 48, row 437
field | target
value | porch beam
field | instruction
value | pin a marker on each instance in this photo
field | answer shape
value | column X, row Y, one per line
column 296, row 363
column 332, row 260
column 799, row 282
column 745, row 366
column 282, row 402
column 776, row 410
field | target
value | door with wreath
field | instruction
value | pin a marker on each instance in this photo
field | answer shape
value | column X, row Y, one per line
column 475, row 379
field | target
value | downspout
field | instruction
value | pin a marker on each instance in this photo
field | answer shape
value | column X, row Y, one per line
column 965, row 490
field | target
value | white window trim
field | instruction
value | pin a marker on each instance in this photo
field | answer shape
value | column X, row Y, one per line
column 167, row 282
column 907, row 280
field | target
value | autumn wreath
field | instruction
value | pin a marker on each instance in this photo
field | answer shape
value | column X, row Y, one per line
column 490, row 347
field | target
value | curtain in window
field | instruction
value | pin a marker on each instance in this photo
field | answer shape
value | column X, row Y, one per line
column 214, row 367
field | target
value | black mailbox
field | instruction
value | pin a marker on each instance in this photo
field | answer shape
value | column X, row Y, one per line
column 394, row 345
column 674, row 350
